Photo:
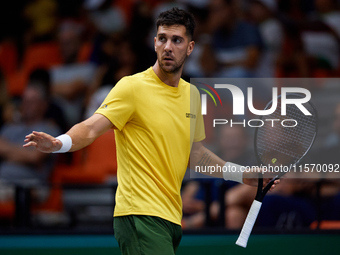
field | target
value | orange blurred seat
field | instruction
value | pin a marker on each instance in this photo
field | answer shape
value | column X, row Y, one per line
column 91, row 165
column 7, row 210
column 326, row 224
column 8, row 58
column 42, row 55
column 16, row 83
column 84, row 53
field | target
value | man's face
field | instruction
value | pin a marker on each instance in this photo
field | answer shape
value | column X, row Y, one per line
column 69, row 43
column 172, row 46
column 33, row 106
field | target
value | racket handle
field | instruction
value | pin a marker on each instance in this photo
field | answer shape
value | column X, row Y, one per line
column 249, row 224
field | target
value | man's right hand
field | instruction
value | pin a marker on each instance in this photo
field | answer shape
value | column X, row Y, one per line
column 42, row 142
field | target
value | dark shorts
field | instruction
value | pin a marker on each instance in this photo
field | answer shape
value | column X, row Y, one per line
column 146, row 235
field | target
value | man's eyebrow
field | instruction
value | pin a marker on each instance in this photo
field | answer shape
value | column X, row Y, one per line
column 178, row 36
column 174, row 36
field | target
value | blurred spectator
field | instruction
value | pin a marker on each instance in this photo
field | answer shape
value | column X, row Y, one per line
column 262, row 13
column 96, row 99
column 311, row 47
column 70, row 9
column 193, row 205
column 41, row 16
column 232, row 146
column 292, row 60
column 322, row 38
column 54, row 112
column 202, row 61
column 201, row 4
column 322, row 47
column 294, row 11
column 3, row 99
column 21, row 164
column 195, row 195
column 328, row 186
column 301, row 200
column 12, row 26
column 233, row 143
column 104, row 16
column 165, row 5
column 292, row 206
column 71, row 79
column 236, row 42
column 333, row 139
column 328, row 12
column 139, row 33
column 8, row 107
column 117, row 59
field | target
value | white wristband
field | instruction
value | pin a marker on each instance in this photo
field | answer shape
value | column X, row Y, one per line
column 232, row 172
column 66, row 140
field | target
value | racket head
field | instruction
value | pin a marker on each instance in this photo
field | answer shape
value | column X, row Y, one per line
column 282, row 146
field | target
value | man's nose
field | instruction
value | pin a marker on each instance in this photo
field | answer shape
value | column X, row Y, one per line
column 168, row 46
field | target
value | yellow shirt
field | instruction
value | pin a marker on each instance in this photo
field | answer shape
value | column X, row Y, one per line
column 153, row 140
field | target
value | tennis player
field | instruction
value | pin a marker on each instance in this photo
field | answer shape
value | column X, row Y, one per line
column 157, row 121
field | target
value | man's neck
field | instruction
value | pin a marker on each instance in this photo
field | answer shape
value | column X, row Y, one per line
column 171, row 79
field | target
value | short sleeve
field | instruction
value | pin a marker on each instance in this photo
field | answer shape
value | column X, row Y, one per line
column 119, row 104
column 195, row 105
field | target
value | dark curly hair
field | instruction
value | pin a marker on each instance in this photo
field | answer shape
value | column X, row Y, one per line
column 177, row 16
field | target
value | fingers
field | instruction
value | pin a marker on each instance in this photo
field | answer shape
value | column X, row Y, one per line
column 276, row 182
column 33, row 138
column 29, row 144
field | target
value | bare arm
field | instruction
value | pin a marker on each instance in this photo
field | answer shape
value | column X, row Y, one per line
column 201, row 156
column 82, row 134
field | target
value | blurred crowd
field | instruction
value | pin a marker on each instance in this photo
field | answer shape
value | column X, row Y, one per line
column 59, row 59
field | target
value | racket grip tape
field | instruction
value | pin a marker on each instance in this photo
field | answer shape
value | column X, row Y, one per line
column 249, row 224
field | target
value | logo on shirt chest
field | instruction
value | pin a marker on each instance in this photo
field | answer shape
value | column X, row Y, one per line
column 190, row 115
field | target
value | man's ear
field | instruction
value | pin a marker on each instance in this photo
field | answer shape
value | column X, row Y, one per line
column 190, row 47
column 154, row 42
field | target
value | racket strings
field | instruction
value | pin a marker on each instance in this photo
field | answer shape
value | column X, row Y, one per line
column 283, row 145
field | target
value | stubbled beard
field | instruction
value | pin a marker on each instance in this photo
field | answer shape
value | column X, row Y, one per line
column 175, row 68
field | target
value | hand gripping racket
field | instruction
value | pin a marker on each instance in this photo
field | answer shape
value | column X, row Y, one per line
column 282, row 140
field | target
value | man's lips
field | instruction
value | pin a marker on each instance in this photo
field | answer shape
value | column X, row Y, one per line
column 167, row 58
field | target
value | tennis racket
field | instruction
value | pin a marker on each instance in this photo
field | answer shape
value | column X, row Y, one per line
column 283, row 142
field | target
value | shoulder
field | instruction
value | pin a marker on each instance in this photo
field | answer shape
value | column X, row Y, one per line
column 135, row 79
column 141, row 75
column 192, row 88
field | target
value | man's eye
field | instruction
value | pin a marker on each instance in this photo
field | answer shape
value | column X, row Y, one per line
column 161, row 39
column 177, row 40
